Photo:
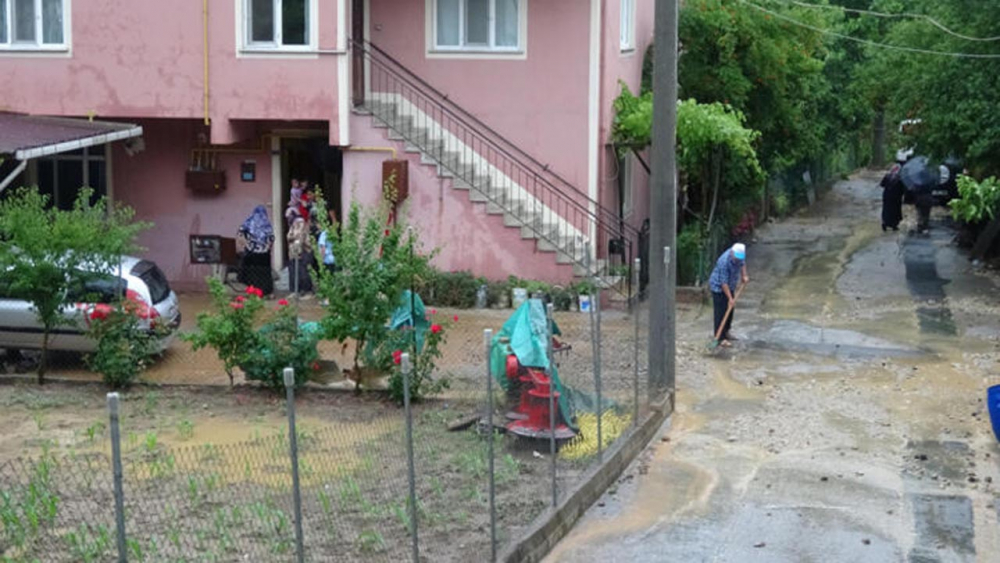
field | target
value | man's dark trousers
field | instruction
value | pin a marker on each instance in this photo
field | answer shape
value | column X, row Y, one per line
column 721, row 303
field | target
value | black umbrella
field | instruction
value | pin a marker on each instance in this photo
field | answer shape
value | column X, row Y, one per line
column 918, row 175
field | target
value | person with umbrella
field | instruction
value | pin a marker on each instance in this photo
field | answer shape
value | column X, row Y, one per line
column 920, row 178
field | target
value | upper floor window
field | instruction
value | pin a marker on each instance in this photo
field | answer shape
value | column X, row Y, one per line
column 32, row 24
column 278, row 23
column 478, row 25
column 628, row 25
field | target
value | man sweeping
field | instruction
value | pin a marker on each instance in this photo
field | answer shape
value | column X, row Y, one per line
column 729, row 270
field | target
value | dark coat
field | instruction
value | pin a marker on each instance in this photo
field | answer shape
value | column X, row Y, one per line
column 892, row 198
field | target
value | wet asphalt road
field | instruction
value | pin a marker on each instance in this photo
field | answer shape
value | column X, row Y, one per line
column 848, row 424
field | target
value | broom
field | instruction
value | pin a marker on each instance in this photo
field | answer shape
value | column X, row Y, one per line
column 729, row 311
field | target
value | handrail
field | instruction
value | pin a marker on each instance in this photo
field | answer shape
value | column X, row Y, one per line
column 606, row 219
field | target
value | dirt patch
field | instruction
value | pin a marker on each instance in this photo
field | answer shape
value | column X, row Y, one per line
column 207, row 475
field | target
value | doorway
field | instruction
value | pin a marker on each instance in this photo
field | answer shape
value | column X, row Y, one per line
column 314, row 161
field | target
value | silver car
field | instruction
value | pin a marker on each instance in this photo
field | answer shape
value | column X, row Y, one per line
column 140, row 280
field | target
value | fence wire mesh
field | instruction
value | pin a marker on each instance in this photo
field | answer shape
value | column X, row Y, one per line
column 212, row 494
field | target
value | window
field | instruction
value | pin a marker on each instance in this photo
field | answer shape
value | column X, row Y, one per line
column 61, row 176
column 477, row 25
column 278, row 23
column 32, row 24
column 627, row 25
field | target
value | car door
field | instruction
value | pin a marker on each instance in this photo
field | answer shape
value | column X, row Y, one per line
column 19, row 326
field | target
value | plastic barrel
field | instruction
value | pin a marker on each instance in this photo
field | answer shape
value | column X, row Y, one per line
column 993, row 404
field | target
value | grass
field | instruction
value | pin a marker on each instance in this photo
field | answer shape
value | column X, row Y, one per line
column 185, row 429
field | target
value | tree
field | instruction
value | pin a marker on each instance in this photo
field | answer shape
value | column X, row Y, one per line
column 954, row 98
column 49, row 255
column 377, row 261
column 716, row 154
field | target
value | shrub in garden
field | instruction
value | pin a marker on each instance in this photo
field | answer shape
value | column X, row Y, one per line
column 377, row 261
column 422, row 380
column 261, row 345
column 126, row 341
column 49, row 254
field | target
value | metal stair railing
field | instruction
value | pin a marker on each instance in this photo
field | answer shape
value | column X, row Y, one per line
column 527, row 192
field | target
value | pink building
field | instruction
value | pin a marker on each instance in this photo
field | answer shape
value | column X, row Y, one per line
column 502, row 110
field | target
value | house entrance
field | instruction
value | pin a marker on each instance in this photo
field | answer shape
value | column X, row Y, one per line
column 314, row 161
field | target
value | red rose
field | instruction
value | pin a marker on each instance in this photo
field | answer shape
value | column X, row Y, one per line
column 239, row 298
column 455, row 318
column 283, row 302
column 434, row 311
column 397, row 357
column 315, row 366
column 100, row 312
column 251, row 290
column 435, row 329
column 236, row 305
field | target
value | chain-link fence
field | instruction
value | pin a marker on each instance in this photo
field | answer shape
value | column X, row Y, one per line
column 457, row 477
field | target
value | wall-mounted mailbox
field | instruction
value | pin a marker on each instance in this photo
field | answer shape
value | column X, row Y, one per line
column 205, row 181
column 395, row 181
column 212, row 249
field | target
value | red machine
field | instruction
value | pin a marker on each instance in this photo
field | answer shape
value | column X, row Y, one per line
column 531, row 388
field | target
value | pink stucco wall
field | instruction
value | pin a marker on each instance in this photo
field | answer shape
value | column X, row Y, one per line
column 539, row 102
column 618, row 66
column 466, row 237
column 144, row 58
column 152, row 182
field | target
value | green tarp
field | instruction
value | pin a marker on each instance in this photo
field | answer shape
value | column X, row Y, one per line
column 526, row 334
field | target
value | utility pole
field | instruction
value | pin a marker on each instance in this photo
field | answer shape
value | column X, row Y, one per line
column 663, row 201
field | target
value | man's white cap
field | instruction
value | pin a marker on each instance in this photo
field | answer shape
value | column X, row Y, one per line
column 740, row 251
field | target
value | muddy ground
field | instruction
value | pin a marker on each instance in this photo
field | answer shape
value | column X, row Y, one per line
column 847, row 424
column 206, row 476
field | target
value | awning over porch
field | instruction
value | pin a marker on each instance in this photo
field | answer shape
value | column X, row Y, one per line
column 30, row 136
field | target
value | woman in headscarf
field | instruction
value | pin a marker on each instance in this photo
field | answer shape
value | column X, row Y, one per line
column 892, row 199
column 257, row 235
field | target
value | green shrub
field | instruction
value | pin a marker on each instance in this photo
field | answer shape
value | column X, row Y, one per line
column 262, row 347
column 422, row 380
column 453, row 289
column 977, row 201
column 780, row 204
column 690, row 260
column 125, row 347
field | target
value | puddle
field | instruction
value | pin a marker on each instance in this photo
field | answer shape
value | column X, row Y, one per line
column 798, row 336
column 944, row 528
column 925, row 285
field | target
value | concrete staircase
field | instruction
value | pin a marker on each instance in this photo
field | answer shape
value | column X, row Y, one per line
column 485, row 183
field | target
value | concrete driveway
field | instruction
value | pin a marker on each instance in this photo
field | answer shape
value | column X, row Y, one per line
column 848, row 424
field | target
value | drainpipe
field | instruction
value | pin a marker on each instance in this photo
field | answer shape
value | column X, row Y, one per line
column 10, row 177
column 204, row 18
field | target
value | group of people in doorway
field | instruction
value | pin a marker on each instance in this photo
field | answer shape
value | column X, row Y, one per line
column 304, row 236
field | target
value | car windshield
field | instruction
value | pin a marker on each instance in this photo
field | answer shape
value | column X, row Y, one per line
column 147, row 271
column 99, row 288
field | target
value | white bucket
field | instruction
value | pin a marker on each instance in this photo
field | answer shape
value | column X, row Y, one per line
column 584, row 303
column 520, row 296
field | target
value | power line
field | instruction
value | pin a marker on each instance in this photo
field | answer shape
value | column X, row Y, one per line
column 868, row 42
column 903, row 15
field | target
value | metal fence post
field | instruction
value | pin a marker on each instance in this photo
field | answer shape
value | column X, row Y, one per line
column 552, row 401
column 488, row 341
column 635, row 359
column 116, row 461
column 407, row 368
column 595, row 347
column 289, row 375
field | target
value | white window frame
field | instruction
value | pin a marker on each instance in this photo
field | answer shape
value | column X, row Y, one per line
column 244, row 13
column 11, row 45
column 627, row 31
column 491, row 47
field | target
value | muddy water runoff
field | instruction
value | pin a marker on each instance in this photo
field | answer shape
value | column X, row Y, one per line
column 847, row 424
